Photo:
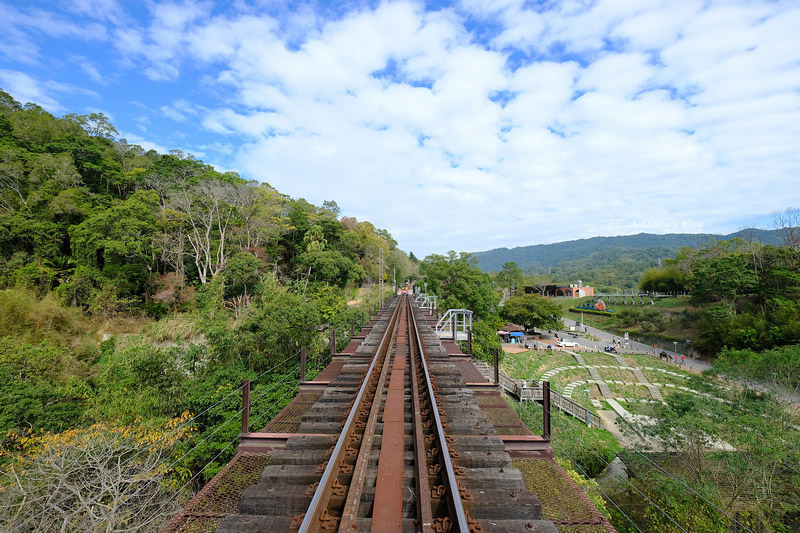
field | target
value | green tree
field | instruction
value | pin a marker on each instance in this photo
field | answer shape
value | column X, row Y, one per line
column 666, row 279
column 533, row 311
column 459, row 283
column 510, row 277
column 118, row 235
column 484, row 340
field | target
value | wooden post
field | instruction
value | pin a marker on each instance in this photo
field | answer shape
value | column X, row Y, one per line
column 245, row 406
column 496, row 368
column 469, row 342
column 453, row 322
column 362, row 319
column 333, row 342
column 352, row 326
column 302, row 364
column 546, row 409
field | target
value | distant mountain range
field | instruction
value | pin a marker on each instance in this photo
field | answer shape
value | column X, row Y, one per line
column 629, row 253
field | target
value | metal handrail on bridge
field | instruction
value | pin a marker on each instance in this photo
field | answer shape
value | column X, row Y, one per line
column 455, row 321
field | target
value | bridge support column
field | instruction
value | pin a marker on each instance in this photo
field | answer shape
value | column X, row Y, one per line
column 546, row 409
column 333, row 341
column 469, row 343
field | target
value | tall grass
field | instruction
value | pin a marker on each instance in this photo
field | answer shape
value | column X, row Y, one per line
column 29, row 318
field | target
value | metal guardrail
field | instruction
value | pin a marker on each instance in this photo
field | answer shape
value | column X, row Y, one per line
column 521, row 390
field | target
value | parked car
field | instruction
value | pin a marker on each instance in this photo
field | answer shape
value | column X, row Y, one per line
column 567, row 344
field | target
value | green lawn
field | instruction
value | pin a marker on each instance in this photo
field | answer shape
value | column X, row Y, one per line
column 630, row 391
column 616, row 374
column 640, row 408
column 565, row 377
column 533, row 363
column 595, row 359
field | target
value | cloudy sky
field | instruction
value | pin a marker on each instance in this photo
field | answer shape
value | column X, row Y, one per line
column 467, row 125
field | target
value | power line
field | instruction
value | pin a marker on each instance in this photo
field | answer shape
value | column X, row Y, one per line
column 585, row 474
column 150, row 446
column 654, row 504
column 138, row 527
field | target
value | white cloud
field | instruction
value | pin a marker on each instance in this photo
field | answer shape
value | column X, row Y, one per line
column 133, row 138
column 25, row 89
column 180, row 110
column 105, row 10
column 89, row 68
column 494, row 123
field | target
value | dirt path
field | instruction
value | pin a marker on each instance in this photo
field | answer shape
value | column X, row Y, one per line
column 513, row 348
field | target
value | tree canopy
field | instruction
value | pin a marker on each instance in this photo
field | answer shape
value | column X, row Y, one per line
column 533, row 311
column 459, row 283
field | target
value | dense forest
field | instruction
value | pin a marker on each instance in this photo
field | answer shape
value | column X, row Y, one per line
column 137, row 291
column 609, row 264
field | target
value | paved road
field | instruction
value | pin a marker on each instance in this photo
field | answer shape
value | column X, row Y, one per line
column 606, row 339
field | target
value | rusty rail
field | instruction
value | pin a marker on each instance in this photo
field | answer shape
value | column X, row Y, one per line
column 317, row 512
column 460, row 518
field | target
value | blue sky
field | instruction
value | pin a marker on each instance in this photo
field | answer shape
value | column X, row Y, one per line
column 455, row 125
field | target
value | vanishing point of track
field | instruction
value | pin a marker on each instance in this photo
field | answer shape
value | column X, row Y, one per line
column 396, row 443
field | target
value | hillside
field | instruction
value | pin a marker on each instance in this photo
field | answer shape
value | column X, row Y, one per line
column 137, row 291
column 538, row 257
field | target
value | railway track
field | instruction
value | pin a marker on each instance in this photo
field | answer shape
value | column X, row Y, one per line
column 396, row 443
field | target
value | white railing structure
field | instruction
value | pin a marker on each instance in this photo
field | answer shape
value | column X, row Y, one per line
column 426, row 301
column 455, row 324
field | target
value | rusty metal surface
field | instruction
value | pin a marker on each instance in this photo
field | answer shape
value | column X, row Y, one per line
column 450, row 489
column 331, row 371
column 388, row 508
column 219, row 498
column 415, row 447
column 317, row 515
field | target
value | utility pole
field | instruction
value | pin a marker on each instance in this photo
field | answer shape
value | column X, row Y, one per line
column 380, row 273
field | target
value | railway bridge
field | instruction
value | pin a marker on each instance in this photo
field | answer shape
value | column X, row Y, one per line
column 400, row 433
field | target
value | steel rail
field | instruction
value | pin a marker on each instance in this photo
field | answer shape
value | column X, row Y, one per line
column 424, row 508
column 319, row 501
column 353, row 500
column 453, row 495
